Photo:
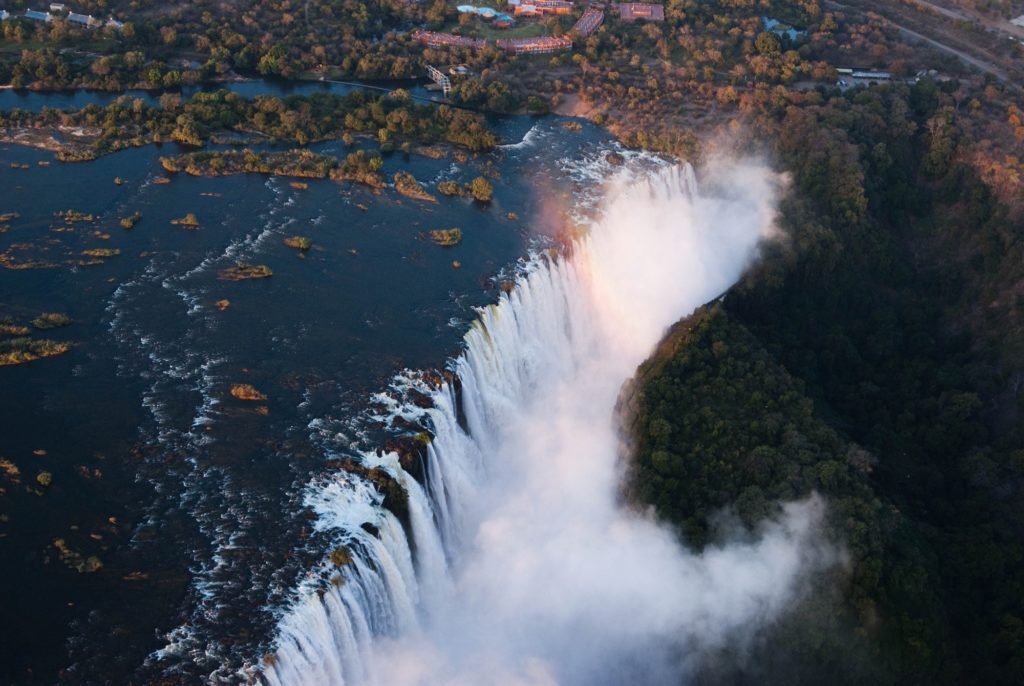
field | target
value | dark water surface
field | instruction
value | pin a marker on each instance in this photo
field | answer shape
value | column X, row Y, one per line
column 35, row 101
column 189, row 497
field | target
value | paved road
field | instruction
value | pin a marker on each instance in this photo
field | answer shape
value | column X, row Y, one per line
column 964, row 57
column 999, row 25
column 986, row 67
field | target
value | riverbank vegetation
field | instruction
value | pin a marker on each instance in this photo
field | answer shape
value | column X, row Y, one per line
column 874, row 356
column 129, row 122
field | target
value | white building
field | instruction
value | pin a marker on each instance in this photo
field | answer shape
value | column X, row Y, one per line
column 35, row 15
column 57, row 7
column 85, row 20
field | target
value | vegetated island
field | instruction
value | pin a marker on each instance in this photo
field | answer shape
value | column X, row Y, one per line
column 17, row 346
column 301, row 243
column 101, row 252
column 407, row 185
column 357, row 167
column 189, row 221
column 480, row 189
column 51, row 320
column 446, row 237
column 244, row 272
column 299, row 163
column 22, row 350
column 244, row 391
column 128, row 223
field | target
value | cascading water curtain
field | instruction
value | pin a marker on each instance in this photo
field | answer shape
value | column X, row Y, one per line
column 527, row 569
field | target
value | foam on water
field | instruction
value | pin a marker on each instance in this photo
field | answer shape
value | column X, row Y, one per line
column 183, row 383
column 532, row 137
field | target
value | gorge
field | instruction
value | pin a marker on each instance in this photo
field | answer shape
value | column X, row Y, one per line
column 524, row 566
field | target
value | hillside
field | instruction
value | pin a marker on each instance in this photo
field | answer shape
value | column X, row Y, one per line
column 872, row 357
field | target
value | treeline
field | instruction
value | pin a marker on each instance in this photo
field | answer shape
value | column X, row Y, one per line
column 394, row 120
column 721, row 425
column 264, row 37
column 51, row 68
column 866, row 358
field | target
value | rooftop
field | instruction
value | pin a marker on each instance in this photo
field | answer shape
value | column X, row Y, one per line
column 628, row 11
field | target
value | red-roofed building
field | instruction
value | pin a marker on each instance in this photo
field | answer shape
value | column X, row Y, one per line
column 526, row 10
column 536, row 8
column 535, row 46
column 554, row 6
column 631, row 11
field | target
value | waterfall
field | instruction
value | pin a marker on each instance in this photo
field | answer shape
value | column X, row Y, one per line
column 527, row 569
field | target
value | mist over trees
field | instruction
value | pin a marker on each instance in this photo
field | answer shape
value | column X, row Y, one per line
column 853, row 362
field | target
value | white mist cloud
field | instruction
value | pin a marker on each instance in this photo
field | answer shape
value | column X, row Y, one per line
column 555, row 583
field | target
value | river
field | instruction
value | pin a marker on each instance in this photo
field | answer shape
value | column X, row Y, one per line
column 35, row 101
column 190, row 498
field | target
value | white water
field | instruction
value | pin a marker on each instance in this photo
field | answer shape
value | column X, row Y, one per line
column 528, row 571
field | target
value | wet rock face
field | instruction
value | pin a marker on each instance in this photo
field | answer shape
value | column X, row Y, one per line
column 420, row 400
column 411, row 451
column 615, row 158
column 75, row 560
column 341, row 556
column 396, row 500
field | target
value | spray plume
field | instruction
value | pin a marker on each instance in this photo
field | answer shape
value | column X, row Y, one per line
column 528, row 570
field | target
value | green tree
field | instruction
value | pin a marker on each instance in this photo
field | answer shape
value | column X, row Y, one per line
column 768, row 44
column 481, row 189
